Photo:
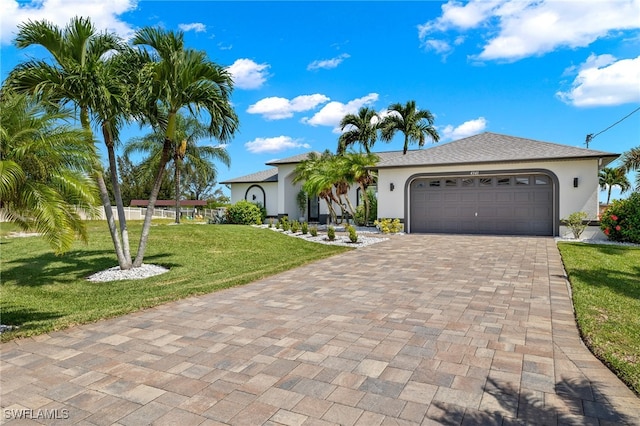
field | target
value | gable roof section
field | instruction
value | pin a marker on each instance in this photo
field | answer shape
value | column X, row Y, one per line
column 270, row 175
column 491, row 148
column 292, row 160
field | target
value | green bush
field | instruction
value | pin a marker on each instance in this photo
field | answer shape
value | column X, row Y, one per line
column 305, row 228
column 359, row 217
column 313, row 231
column 284, row 223
column 353, row 235
column 389, row 226
column 621, row 220
column 295, row 226
column 244, row 213
column 331, row 233
column 270, row 222
column 576, row 223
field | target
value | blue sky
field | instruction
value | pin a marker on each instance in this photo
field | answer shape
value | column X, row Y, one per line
column 546, row 70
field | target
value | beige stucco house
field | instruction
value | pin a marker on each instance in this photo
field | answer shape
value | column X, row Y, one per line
column 484, row 184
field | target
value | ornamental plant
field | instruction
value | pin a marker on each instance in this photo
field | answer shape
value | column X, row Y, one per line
column 576, row 223
column 295, row 226
column 284, row 223
column 244, row 213
column 353, row 235
column 621, row 220
column 388, row 226
column 313, row 231
column 331, row 233
column 305, row 228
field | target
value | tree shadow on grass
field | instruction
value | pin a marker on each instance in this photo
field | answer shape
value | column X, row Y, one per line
column 621, row 282
column 581, row 404
column 72, row 266
column 23, row 318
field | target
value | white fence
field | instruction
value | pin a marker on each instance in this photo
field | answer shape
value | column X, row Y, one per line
column 138, row 213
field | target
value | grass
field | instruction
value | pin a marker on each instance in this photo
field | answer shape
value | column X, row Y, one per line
column 605, row 280
column 41, row 292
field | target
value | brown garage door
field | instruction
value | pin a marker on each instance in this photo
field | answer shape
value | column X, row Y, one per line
column 503, row 205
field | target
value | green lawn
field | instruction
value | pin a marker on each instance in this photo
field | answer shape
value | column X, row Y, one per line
column 41, row 292
column 605, row 280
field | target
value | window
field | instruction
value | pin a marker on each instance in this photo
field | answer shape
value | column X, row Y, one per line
column 503, row 181
column 486, row 181
column 434, row 182
column 467, row 181
column 542, row 180
column 451, row 182
column 522, row 180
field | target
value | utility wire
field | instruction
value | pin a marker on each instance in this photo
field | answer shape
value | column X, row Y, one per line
column 592, row 136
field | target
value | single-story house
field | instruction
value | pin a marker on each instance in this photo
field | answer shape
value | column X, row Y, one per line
column 484, row 184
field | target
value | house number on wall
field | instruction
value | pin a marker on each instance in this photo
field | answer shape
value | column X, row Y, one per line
column 474, row 173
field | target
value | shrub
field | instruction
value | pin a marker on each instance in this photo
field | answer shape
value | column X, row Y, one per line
column 576, row 223
column 295, row 226
column 331, row 233
column 313, row 231
column 284, row 223
column 359, row 217
column 353, row 235
column 388, row 226
column 621, row 220
column 305, row 228
column 244, row 213
column 270, row 222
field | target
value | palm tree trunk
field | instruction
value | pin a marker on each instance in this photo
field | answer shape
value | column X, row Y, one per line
column 123, row 262
column 104, row 195
column 365, row 199
column 609, row 194
column 176, row 178
column 406, row 144
column 122, row 220
column 153, row 197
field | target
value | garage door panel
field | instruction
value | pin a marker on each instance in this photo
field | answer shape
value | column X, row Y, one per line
column 511, row 209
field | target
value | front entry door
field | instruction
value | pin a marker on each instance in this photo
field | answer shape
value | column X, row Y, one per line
column 313, row 213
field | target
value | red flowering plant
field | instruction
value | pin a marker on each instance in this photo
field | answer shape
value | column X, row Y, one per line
column 621, row 220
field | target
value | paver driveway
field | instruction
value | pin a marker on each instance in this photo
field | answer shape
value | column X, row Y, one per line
column 418, row 329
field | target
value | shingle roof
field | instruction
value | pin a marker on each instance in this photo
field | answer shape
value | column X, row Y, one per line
column 490, row 148
column 291, row 160
column 270, row 175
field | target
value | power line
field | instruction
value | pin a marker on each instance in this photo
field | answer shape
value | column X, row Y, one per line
column 592, row 136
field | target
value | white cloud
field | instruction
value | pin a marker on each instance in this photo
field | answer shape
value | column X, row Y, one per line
column 271, row 145
column 526, row 28
column 328, row 63
column 604, row 80
column 275, row 108
column 248, row 74
column 195, row 26
column 332, row 113
column 104, row 14
column 468, row 128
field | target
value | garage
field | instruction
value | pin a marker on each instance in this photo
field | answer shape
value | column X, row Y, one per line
column 515, row 204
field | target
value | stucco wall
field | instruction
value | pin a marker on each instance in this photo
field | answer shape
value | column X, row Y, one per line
column 583, row 198
column 239, row 190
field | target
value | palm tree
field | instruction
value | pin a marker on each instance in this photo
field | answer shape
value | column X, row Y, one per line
column 81, row 74
column 631, row 161
column 312, row 172
column 44, row 166
column 610, row 177
column 361, row 128
column 185, row 153
column 359, row 166
column 415, row 124
column 182, row 78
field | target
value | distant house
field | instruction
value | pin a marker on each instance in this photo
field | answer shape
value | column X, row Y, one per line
column 169, row 203
column 484, row 184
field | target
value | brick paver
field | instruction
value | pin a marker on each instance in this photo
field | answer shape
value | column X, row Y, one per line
column 420, row 329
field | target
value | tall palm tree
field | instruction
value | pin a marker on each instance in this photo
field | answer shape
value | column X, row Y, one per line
column 182, row 78
column 415, row 124
column 44, row 167
column 81, row 74
column 185, row 152
column 361, row 128
column 631, row 161
column 610, row 177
